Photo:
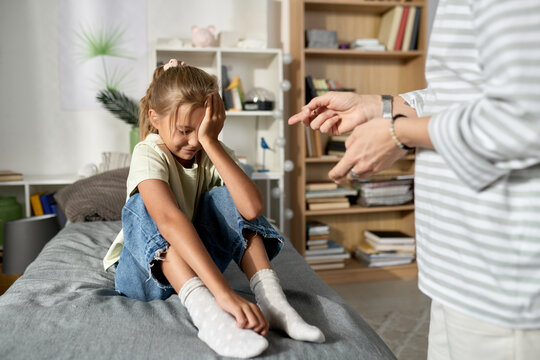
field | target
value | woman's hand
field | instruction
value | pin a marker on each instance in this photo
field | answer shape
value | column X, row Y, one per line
column 247, row 314
column 214, row 118
column 369, row 150
column 336, row 113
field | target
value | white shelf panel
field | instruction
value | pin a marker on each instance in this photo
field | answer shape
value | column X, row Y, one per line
column 249, row 113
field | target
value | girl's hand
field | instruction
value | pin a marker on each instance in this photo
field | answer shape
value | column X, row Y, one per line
column 213, row 120
column 369, row 150
column 336, row 113
column 247, row 314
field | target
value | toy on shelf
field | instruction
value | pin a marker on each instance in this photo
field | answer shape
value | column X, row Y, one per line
column 264, row 146
column 203, row 37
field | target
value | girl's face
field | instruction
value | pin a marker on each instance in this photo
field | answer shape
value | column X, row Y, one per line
column 182, row 137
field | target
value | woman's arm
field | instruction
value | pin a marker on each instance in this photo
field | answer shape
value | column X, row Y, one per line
column 337, row 113
column 245, row 194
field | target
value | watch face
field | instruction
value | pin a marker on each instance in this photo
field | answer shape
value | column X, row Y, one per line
column 387, row 106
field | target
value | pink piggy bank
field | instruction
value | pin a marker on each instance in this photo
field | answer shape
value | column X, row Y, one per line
column 203, row 37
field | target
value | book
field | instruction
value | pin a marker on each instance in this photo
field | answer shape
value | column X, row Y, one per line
column 393, row 247
column 333, row 248
column 389, row 237
column 315, row 242
column 328, row 266
column 339, row 192
column 329, row 205
column 35, row 203
column 408, row 29
column 416, row 26
column 327, row 199
column 45, row 205
column 319, row 236
column 401, row 29
column 373, row 258
column 8, row 175
column 321, row 186
column 316, row 227
column 315, row 247
column 389, row 26
column 309, row 142
column 317, row 146
column 319, row 258
column 311, row 91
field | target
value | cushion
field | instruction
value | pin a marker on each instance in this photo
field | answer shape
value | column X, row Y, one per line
column 96, row 198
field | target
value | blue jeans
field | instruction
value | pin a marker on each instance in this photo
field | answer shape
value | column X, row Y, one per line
column 219, row 225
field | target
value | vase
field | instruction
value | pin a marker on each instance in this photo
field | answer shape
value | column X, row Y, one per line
column 133, row 138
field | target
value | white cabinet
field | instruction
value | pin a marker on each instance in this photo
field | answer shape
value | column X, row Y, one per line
column 243, row 130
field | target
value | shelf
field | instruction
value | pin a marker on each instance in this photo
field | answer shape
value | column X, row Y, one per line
column 334, row 159
column 249, row 113
column 62, row 179
column 266, row 175
column 332, row 53
column 357, row 209
column 355, row 271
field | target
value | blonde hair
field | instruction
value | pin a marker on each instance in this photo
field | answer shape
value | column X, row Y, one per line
column 172, row 88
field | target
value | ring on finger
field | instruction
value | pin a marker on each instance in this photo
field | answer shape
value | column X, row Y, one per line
column 353, row 174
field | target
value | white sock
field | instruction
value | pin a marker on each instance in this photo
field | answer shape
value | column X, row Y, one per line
column 277, row 310
column 217, row 328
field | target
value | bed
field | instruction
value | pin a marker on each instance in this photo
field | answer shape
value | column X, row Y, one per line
column 65, row 307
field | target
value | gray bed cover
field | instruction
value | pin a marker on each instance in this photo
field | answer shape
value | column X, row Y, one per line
column 65, row 307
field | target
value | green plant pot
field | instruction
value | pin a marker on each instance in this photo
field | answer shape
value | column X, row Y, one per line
column 133, row 138
column 10, row 209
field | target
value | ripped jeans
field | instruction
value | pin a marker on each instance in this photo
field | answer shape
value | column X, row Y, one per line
column 219, row 225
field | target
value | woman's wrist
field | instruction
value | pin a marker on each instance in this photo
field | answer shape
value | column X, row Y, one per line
column 399, row 143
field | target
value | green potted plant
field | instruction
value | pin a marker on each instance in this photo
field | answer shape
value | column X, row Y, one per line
column 124, row 108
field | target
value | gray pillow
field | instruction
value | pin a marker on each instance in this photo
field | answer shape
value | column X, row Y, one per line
column 96, row 198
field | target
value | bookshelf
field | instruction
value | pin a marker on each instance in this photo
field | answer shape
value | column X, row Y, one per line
column 31, row 184
column 369, row 72
column 243, row 129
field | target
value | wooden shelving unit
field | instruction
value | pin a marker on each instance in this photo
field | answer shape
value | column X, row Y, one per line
column 368, row 72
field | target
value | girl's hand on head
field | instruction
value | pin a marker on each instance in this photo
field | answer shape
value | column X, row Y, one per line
column 369, row 150
column 213, row 121
column 247, row 314
column 336, row 113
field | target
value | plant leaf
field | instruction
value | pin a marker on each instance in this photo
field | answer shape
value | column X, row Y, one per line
column 119, row 105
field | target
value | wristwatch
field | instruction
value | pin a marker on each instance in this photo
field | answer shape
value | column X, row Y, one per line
column 386, row 106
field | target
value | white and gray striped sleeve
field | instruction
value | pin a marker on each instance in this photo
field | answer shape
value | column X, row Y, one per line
column 416, row 100
column 500, row 132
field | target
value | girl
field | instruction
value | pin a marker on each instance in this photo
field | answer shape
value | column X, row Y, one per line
column 181, row 227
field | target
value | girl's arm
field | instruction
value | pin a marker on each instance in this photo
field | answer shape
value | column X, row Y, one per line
column 180, row 233
column 245, row 194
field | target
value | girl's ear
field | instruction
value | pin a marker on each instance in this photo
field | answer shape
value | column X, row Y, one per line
column 153, row 116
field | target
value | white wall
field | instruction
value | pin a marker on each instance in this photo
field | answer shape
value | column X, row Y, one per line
column 36, row 135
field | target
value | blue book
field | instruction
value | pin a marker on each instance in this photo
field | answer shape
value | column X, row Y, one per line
column 414, row 33
column 44, row 199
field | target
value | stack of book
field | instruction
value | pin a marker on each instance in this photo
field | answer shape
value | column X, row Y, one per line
column 385, row 190
column 399, row 28
column 322, row 196
column 386, row 248
column 321, row 252
column 8, row 175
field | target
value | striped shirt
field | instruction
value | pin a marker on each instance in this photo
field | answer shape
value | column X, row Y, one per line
column 478, row 194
